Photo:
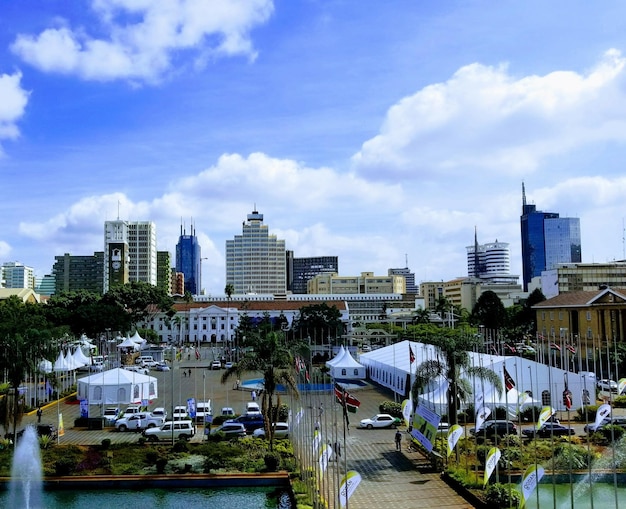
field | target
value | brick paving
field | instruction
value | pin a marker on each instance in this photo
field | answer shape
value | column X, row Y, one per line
column 402, row 480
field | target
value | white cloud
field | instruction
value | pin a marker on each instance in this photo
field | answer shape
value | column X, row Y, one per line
column 145, row 38
column 13, row 101
column 483, row 118
column 5, row 250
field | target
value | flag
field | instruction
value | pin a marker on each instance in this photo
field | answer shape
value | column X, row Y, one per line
column 554, row 346
column 349, row 483
column 508, row 380
column 490, row 463
column 530, row 479
column 307, row 376
column 346, row 400
column 510, row 348
column 411, row 355
column 567, row 398
column 571, row 348
column 454, row 434
column 197, row 354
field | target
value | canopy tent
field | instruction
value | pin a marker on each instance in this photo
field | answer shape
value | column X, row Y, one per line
column 117, row 386
column 130, row 344
column 139, row 341
column 336, row 358
column 391, row 367
column 346, row 367
column 79, row 358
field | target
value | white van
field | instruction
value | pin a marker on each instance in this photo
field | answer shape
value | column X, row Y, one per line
column 146, row 361
column 252, row 407
column 203, row 410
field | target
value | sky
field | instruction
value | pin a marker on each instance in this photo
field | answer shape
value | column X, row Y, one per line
column 384, row 133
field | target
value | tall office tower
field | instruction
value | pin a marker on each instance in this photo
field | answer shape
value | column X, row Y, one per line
column 46, row 286
column 256, row 260
column 17, row 275
column 164, row 271
column 302, row 269
column 189, row 260
column 408, row 276
column 72, row 273
column 547, row 240
column 129, row 252
column 490, row 262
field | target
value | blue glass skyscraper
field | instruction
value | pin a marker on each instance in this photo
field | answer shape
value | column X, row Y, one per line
column 547, row 240
column 189, row 260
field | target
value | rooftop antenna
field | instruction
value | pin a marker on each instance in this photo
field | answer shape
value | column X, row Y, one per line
column 406, row 260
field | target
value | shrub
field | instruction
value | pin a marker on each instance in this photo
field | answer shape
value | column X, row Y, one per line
column 530, row 414
column 391, row 407
column 619, row 402
column 141, row 440
column 151, row 457
column 272, row 461
column 612, row 432
column 502, row 496
column 160, row 465
column 45, row 441
column 65, row 466
column 587, row 412
column 106, row 444
column 180, row 446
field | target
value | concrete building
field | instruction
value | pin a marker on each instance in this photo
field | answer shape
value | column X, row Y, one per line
column 164, row 271
column 17, row 275
column 431, row 291
column 409, row 279
column 547, row 240
column 256, row 260
column 130, row 252
column 587, row 277
column 78, row 272
column 366, row 283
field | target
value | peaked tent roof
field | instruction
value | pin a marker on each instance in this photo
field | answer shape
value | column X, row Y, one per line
column 116, row 376
column 337, row 358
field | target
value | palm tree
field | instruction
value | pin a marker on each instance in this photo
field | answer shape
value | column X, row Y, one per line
column 270, row 356
column 455, row 357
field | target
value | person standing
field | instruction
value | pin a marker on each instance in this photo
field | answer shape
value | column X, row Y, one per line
column 39, row 414
column 253, row 395
column 398, row 440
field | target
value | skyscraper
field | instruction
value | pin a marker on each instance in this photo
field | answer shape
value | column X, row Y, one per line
column 130, row 252
column 189, row 260
column 17, row 275
column 547, row 240
column 303, row 269
column 256, row 260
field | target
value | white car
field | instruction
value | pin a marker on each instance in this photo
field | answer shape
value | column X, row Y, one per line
column 160, row 412
column 110, row 415
column 607, row 385
column 138, row 421
column 379, row 421
column 178, row 430
column 216, row 365
column 281, row 431
column 137, row 369
column 180, row 413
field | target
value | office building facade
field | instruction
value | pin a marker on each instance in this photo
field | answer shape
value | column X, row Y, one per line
column 547, row 240
column 73, row 273
column 409, row 279
column 164, row 271
column 366, row 283
column 189, row 260
column 255, row 260
column 301, row 270
column 17, row 275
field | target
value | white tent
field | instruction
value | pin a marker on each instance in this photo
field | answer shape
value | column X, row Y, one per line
column 346, row 367
column 391, row 367
column 80, row 359
column 129, row 343
column 336, row 358
column 117, row 386
column 61, row 363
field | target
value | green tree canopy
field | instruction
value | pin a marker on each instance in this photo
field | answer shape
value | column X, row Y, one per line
column 318, row 322
column 489, row 311
column 140, row 301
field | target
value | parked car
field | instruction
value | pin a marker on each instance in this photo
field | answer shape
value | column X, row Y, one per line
column 137, row 369
column 617, row 421
column 549, row 429
column 216, row 365
column 228, row 365
column 493, row 429
column 162, row 366
column 366, row 348
column 280, row 431
column 180, row 413
column 203, row 410
column 138, row 421
column 226, row 410
column 178, row 429
column 230, row 429
column 110, row 415
column 160, row 412
column 607, row 385
column 380, row 421
column 252, row 407
column 131, row 409
column 250, row 421
column 146, row 361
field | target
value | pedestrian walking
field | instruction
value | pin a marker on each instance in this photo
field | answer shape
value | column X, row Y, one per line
column 253, row 395
column 337, row 448
column 184, row 374
column 398, row 440
column 317, row 425
column 189, row 372
column 39, row 414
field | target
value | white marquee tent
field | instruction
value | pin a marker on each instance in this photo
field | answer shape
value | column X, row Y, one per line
column 117, row 386
column 391, row 367
column 343, row 366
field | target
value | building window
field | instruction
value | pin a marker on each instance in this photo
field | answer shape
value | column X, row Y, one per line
column 588, row 316
column 545, row 398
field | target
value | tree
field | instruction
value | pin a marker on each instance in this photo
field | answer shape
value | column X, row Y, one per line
column 421, row 316
column 454, row 350
column 269, row 355
column 318, row 322
column 489, row 311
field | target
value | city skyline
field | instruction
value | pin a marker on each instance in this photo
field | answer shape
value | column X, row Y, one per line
column 375, row 134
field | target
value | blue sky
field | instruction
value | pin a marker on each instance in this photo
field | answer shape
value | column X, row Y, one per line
column 373, row 131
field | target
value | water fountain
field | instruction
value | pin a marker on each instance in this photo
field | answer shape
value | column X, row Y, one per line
column 26, row 487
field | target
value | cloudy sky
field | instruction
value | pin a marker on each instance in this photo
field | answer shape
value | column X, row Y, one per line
column 374, row 131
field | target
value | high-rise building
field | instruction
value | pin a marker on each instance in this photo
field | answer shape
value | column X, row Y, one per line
column 547, row 240
column 72, row 273
column 189, row 260
column 130, row 252
column 256, row 260
column 301, row 270
column 17, row 275
column 490, row 262
column 164, row 271
column 408, row 276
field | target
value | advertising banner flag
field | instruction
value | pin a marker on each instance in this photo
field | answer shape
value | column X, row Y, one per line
column 603, row 412
column 61, row 426
column 425, row 424
column 349, row 483
column 530, row 480
column 621, row 385
column 546, row 413
column 454, row 434
column 481, row 416
column 407, row 410
column 493, row 456
column 326, row 452
column 316, row 440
